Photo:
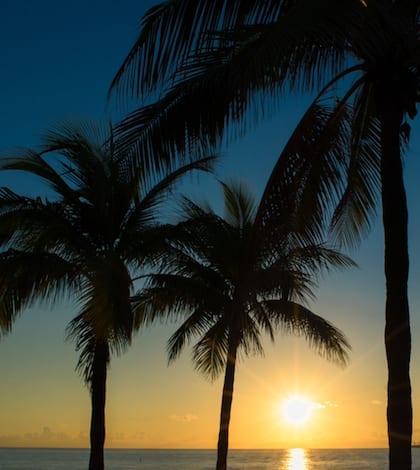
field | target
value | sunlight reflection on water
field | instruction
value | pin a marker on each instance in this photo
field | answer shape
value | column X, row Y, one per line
column 297, row 460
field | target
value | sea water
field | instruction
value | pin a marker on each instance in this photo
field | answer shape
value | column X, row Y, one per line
column 292, row 459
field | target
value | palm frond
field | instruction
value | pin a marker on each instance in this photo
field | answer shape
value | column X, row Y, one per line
column 29, row 278
column 210, row 352
column 175, row 126
column 173, row 31
column 105, row 301
column 35, row 225
column 308, row 177
column 352, row 217
column 197, row 324
column 172, row 296
column 261, row 319
column 250, row 335
column 144, row 210
column 285, row 282
column 82, row 333
column 188, row 24
column 240, row 205
column 315, row 259
column 321, row 335
column 32, row 162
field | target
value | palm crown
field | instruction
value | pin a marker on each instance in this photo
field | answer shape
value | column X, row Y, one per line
column 222, row 275
column 231, row 287
column 99, row 227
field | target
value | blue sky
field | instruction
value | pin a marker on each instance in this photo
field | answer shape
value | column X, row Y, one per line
column 57, row 61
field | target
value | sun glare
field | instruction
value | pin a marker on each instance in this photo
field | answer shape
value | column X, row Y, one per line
column 297, row 410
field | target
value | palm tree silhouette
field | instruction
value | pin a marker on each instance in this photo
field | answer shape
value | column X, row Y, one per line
column 231, row 287
column 98, row 229
column 362, row 57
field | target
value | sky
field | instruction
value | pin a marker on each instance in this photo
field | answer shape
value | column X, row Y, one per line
column 57, row 61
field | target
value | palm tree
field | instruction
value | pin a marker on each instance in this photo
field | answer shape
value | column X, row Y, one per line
column 231, row 288
column 362, row 57
column 87, row 241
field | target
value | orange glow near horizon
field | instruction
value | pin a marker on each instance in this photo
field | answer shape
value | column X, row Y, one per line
column 160, row 407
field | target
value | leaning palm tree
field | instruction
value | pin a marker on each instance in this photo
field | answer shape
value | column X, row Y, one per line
column 226, row 54
column 231, row 287
column 86, row 241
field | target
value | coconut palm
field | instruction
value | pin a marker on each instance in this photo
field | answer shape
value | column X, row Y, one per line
column 231, row 288
column 98, row 227
column 226, row 55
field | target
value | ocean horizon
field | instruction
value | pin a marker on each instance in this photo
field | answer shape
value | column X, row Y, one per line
column 25, row 458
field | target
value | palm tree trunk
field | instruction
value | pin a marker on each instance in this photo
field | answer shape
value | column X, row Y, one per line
column 97, row 422
column 223, row 442
column 397, row 319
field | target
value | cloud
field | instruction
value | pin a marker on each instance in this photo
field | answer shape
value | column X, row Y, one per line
column 376, row 402
column 117, row 436
column 317, row 405
column 326, row 404
column 46, row 437
column 184, row 418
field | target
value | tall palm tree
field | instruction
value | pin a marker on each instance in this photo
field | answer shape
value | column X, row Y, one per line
column 364, row 54
column 86, row 241
column 231, row 288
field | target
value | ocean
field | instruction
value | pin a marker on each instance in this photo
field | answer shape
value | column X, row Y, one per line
column 152, row 459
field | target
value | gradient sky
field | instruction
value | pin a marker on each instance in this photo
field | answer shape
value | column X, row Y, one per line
column 57, row 61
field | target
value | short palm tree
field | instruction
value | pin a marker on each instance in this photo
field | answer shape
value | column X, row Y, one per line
column 225, row 55
column 98, row 228
column 231, row 287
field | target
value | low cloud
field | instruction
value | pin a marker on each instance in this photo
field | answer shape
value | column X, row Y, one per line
column 184, row 418
column 317, row 406
column 117, row 436
column 330, row 404
column 326, row 404
column 46, row 437
column 376, row 402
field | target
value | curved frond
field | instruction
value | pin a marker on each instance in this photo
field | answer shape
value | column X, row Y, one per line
column 240, row 205
column 32, row 162
column 173, row 296
column 82, row 332
column 320, row 334
column 210, row 352
column 250, row 337
column 308, row 177
column 28, row 278
column 174, row 31
column 175, row 126
column 105, row 302
column 197, row 324
column 352, row 217
column 36, row 225
column 187, row 24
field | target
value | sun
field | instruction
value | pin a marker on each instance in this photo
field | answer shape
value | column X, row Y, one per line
column 297, row 410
